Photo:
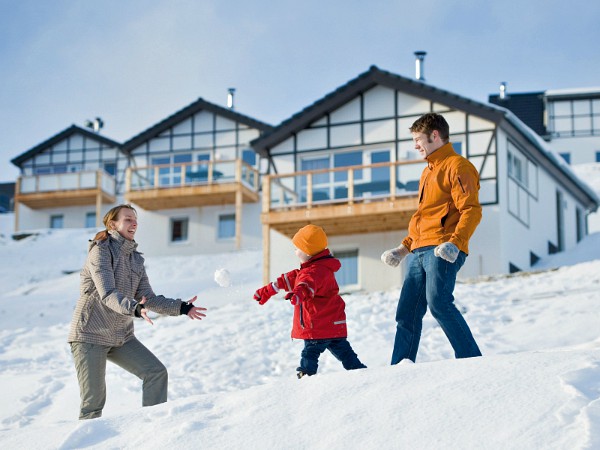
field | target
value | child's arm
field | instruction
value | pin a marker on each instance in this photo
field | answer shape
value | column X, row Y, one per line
column 285, row 281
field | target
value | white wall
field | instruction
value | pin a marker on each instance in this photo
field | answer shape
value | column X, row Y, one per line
column 582, row 149
column 73, row 216
column 373, row 275
column 154, row 230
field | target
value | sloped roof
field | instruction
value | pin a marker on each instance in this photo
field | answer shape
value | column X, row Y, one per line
column 365, row 81
column 184, row 113
column 73, row 129
column 497, row 114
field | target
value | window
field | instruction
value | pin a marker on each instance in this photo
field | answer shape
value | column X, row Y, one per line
column 110, row 168
column 90, row 220
column 179, row 230
column 597, row 156
column 345, row 160
column 226, row 226
column 457, row 147
column 516, row 168
column 348, row 274
column 249, row 157
column 170, row 175
column 573, row 117
column 566, row 157
column 57, row 221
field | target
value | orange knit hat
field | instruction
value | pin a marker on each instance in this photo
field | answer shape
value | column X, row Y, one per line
column 311, row 239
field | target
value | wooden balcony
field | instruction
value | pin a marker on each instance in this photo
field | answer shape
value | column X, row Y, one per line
column 350, row 200
column 65, row 189
column 203, row 183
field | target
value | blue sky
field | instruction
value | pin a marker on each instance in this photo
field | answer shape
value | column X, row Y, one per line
column 135, row 62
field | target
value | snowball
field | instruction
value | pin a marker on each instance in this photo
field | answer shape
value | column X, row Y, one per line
column 223, row 277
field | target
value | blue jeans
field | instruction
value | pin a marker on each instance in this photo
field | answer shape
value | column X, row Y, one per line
column 430, row 282
column 340, row 348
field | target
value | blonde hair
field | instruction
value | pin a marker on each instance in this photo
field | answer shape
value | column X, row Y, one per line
column 111, row 215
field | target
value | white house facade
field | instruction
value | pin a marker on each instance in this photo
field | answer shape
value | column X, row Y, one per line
column 194, row 180
column 347, row 163
column 208, row 179
column 69, row 180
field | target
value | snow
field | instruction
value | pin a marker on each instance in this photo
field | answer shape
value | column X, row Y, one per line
column 232, row 375
column 223, row 277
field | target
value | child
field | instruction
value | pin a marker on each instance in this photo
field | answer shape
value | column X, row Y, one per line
column 319, row 317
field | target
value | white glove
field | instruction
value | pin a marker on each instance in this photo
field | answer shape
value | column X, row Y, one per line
column 394, row 256
column 447, row 251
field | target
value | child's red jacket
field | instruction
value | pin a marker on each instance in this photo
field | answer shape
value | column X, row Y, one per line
column 321, row 314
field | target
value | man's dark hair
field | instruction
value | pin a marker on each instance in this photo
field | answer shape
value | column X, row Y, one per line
column 429, row 122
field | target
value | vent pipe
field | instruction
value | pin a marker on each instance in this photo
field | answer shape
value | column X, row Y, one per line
column 420, row 65
column 230, row 94
column 503, row 90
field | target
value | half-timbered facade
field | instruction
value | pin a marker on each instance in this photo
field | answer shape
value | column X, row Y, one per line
column 195, row 180
column 347, row 163
column 68, row 180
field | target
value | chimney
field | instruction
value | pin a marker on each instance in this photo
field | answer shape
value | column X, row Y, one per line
column 419, row 65
column 503, row 90
column 231, row 92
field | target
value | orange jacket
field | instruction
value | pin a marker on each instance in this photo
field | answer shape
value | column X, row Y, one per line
column 449, row 209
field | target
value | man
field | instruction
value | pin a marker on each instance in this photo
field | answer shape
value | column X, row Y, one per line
column 438, row 236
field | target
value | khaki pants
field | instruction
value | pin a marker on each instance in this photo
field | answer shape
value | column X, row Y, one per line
column 90, row 364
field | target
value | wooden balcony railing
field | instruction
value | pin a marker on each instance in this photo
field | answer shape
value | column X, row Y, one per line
column 181, row 185
column 356, row 199
column 66, row 189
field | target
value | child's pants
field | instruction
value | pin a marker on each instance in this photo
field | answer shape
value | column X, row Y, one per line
column 340, row 348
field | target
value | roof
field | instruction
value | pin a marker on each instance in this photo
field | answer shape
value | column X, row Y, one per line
column 73, row 129
column 184, row 113
column 365, row 81
column 497, row 114
column 555, row 94
column 529, row 107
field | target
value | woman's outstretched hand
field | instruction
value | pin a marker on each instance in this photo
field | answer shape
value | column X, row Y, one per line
column 144, row 312
column 196, row 311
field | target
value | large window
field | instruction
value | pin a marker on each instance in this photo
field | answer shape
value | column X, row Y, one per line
column 334, row 185
column 522, row 183
column 170, row 175
column 574, row 117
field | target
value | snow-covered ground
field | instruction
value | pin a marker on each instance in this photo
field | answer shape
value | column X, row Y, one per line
column 232, row 375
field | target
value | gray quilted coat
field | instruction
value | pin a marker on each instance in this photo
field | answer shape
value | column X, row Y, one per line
column 113, row 280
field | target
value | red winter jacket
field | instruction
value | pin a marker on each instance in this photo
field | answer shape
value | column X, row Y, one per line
column 320, row 314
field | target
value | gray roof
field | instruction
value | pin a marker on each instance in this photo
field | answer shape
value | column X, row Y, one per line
column 73, row 129
column 184, row 113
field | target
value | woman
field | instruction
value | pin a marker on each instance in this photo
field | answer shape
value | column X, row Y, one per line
column 114, row 289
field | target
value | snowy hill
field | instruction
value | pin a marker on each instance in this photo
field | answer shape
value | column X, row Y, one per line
column 232, row 376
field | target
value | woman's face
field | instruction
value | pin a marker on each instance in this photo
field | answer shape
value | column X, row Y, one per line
column 126, row 223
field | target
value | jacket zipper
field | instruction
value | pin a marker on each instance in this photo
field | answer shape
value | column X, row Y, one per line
column 461, row 185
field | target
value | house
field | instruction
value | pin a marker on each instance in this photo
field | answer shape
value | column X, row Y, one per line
column 347, row 162
column 68, row 180
column 569, row 119
column 194, row 180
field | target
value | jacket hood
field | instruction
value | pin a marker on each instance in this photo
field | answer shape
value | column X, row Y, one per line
column 323, row 259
